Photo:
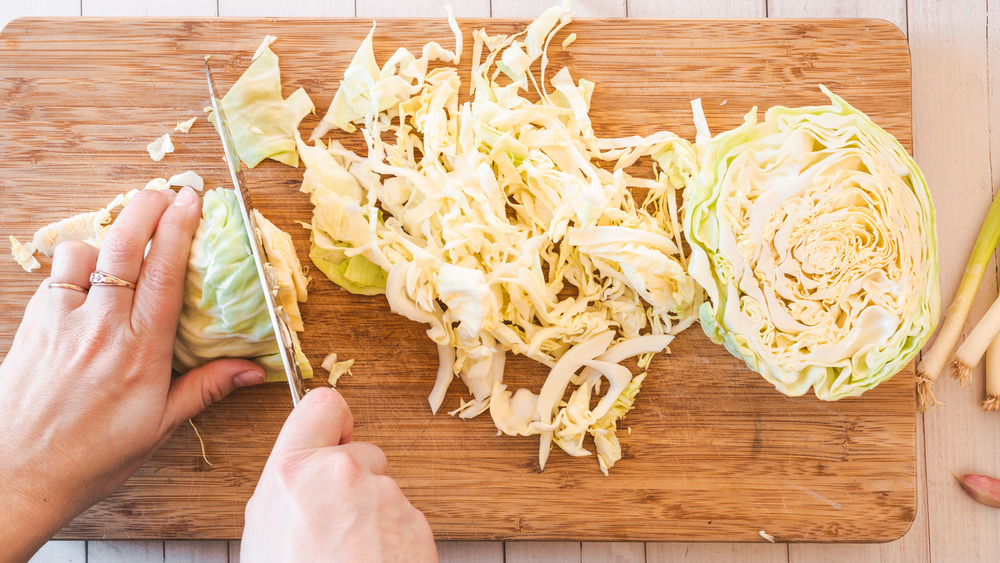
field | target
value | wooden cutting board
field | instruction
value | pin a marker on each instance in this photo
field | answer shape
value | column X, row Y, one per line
column 711, row 451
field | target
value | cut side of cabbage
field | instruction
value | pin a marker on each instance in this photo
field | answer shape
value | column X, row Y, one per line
column 812, row 232
column 505, row 224
column 224, row 312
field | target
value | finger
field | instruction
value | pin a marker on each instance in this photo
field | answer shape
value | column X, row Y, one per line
column 322, row 419
column 367, row 455
column 72, row 263
column 123, row 247
column 203, row 386
column 159, row 288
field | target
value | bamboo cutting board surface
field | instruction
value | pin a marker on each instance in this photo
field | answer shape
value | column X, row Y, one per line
column 711, row 451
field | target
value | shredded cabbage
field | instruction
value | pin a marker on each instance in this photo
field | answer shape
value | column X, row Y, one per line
column 505, row 224
column 813, row 234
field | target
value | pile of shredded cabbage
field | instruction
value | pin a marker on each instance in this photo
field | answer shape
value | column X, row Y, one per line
column 505, row 224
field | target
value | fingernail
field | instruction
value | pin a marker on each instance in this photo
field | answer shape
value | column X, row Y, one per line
column 250, row 377
column 186, row 197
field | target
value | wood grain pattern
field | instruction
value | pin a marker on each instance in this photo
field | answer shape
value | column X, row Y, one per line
column 714, row 454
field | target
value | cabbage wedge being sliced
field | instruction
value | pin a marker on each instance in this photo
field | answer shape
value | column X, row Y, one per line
column 224, row 312
column 812, row 232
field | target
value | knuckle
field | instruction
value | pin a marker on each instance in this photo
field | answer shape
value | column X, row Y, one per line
column 345, row 467
column 160, row 276
column 212, row 391
column 288, row 470
column 72, row 248
column 118, row 246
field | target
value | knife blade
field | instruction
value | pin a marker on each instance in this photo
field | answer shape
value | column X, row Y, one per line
column 279, row 320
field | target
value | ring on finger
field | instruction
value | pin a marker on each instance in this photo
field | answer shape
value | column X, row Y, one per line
column 104, row 278
column 66, row 285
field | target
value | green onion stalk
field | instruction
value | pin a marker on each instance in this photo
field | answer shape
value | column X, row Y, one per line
column 936, row 358
column 992, row 400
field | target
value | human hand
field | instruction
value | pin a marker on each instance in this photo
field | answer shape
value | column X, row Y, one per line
column 322, row 497
column 86, row 394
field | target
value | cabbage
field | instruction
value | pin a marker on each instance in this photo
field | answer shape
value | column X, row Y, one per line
column 812, row 233
column 506, row 225
column 262, row 123
column 224, row 313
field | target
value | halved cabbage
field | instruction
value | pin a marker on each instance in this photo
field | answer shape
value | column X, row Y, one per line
column 813, row 234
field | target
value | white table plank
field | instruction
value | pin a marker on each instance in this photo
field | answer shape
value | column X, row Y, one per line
column 890, row 10
column 613, row 552
column 470, row 551
column 234, row 551
column 582, row 9
column 423, row 9
column 948, row 44
column 61, row 552
column 150, row 7
column 700, row 9
column 711, row 552
column 10, row 9
column 125, row 552
column 175, row 551
column 542, row 552
column 286, row 8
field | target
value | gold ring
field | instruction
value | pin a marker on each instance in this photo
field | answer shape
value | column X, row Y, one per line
column 103, row 278
column 65, row 285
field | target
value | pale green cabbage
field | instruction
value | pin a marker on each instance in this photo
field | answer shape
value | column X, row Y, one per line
column 264, row 124
column 224, row 313
column 813, row 235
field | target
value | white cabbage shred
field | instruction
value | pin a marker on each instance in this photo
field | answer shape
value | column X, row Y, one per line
column 160, row 147
column 505, row 224
column 185, row 126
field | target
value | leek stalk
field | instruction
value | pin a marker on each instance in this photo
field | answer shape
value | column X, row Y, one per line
column 992, row 400
column 933, row 362
column 974, row 347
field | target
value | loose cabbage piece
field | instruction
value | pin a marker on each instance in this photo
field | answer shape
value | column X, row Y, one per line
column 160, row 147
column 23, row 255
column 506, row 225
column 262, row 123
column 224, row 313
column 185, row 126
column 813, row 234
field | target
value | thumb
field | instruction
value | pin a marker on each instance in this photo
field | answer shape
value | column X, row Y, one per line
column 322, row 419
column 205, row 385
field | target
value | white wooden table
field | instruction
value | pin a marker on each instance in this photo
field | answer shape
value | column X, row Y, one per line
column 955, row 48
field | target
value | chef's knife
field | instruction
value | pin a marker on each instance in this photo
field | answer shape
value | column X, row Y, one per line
column 279, row 320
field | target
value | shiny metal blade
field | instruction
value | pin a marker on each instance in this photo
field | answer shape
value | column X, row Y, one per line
column 279, row 320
